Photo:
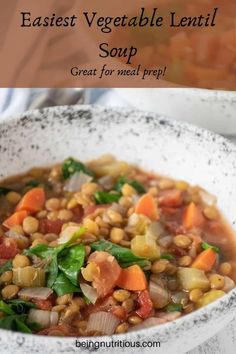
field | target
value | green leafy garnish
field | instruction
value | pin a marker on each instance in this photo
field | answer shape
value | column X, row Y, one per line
column 167, row 256
column 20, row 306
column 6, row 266
column 206, row 246
column 132, row 182
column 123, row 255
column 4, row 190
column 70, row 166
column 62, row 285
column 15, row 323
column 32, row 183
column 6, row 308
column 65, row 260
column 70, row 262
column 174, row 307
column 14, row 320
column 106, row 198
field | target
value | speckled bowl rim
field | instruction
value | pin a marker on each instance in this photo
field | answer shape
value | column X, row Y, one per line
column 179, row 326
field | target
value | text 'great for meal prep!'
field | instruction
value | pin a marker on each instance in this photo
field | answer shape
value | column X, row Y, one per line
column 145, row 18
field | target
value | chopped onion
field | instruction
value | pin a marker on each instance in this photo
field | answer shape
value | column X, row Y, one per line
column 35, row 293
column 106, row 182
column 179, row 297
column 11, row 233
column 156, row 229
column 229, row 284
column 119, row 208
column 76, row 181
column 149, row 322
column 158, row 295
column 207, row 198
column 170, row 316
column 165, row 241
column 44, row 318
column 104, row 322
column 89, row 292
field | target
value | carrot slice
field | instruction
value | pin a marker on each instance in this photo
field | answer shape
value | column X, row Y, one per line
column 132, row 278
column 147, row 206
column 15, row 219
column 32, row 201
column 192, row 216
column 205, row 260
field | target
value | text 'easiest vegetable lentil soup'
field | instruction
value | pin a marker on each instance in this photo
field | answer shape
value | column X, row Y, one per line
column 103, row 248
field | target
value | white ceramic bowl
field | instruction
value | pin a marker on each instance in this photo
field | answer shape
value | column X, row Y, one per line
column 210, row 109
column 172, row 148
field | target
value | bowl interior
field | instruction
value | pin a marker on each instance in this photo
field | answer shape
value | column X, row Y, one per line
column 171, row 148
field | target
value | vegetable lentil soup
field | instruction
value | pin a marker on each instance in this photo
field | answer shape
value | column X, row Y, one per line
column 104, row 247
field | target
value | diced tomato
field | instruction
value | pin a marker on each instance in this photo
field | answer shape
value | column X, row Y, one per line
column 8, row 249
column 45, row 304
column 177, row 251
column 78, row 213
column 64, row 329
column 50, row 226
column 119, row 312
column 145, row 303
column 170, row 198
column 109, row 272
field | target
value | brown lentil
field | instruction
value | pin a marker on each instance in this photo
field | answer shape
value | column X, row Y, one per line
column 225, row 268
column 65, row 214
column 159, row 266
column 195, row 295
column 185, row 261
column 116, row 234
column 211, row 213
column 20, row 261
column 53, row 204
column 128, row 305
column 134, row 320
column 217, row 281
column 122, row 328
column 50, row 237
column 64, row 300
column 10, row 291
column 13, row 197
column 6, row 277
column 121, row 295
column 182, row 241
column 30, row 225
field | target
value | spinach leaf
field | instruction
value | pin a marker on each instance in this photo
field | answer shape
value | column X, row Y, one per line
column 15, row 323
column 32, row 183
column 206, row 245
column 70, row 261
column 4, row 190
column 6, row 266
column 49, row 254
column 62, row 285
column 20, row 306
column 132, row 182
column 123, row 255
column 105, row 197
column 174, row 307
column 70, row 166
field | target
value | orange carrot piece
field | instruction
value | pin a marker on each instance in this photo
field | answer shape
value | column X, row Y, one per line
column 147, row 206
column 32, row 201
column 205, row 260
column 15, row 219
column 132, row 278
column 192, row 216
